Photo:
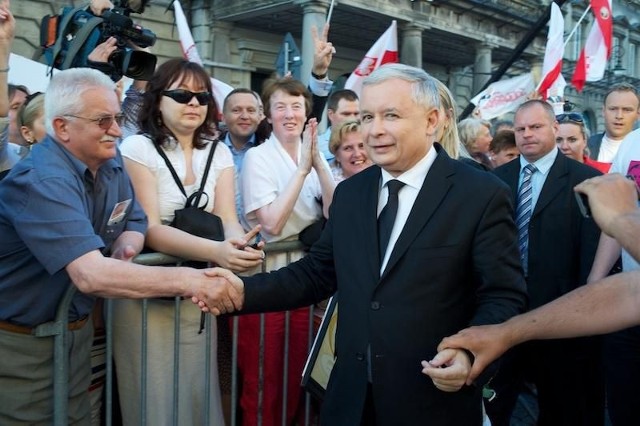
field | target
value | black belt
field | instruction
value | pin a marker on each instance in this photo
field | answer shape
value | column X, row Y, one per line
column 21, row 329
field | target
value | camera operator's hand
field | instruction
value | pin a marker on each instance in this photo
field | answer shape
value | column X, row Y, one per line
column 99, row 6
column 102, row 51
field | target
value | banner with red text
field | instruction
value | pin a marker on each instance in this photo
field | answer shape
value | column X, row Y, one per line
column 503, row 96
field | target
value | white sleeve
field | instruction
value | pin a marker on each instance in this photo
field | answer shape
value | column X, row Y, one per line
column 259, row 184
column 140, row 149
column 222, row 159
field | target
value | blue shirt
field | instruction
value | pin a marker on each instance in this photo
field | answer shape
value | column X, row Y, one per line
column 53, row 212
column 543, row 165
column 238, row 159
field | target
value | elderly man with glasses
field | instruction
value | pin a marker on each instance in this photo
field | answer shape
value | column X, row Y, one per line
column 69, row 216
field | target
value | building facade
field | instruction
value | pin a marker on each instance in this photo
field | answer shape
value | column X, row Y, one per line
column 460, row 42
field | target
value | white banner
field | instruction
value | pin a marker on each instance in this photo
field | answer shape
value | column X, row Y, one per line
column 503, row 96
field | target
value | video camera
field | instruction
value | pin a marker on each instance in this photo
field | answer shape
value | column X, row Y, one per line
column 67, row 40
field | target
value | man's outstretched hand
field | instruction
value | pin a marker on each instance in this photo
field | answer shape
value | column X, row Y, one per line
column 224, row 295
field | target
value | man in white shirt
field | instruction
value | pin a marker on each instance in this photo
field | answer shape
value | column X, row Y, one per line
column 620, row 110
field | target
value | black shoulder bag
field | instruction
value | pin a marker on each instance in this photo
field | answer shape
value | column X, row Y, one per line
column 193, row 219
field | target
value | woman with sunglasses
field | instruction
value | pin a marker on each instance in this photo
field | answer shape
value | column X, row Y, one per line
column 572, row 137
column 178, row 116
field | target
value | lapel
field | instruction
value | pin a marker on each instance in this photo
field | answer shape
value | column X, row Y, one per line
column 435, row 187
column 556, row 182
column 511, row 178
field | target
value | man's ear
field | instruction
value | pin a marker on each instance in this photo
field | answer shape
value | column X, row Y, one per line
column 61, row 129
column 433, row 118
column 330, row 114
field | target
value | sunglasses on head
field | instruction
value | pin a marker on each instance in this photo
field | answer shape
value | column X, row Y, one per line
column 571, row 117
column 184, row 96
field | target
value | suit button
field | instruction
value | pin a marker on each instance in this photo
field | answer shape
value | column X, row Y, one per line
column 375, row 305
column 360, row 356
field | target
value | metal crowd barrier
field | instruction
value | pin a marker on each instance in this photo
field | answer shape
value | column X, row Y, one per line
column 61, row 362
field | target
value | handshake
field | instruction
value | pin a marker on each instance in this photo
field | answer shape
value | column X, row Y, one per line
column 218, row 291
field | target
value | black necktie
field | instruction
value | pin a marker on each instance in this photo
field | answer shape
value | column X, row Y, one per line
column 388, row 216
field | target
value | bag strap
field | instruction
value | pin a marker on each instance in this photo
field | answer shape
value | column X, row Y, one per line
column 177, row 179
column 79, row 40
column 62, row 32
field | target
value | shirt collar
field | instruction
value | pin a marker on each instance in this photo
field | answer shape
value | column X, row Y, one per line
column 544, row 163
column 250, row 143
column 413, row 177
column 78, row 165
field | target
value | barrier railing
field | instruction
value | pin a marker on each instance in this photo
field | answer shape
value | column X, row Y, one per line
column 58, row 329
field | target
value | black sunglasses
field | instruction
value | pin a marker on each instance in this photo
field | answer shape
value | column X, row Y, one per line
column 184, row 96
column 571, row 117
column 104, row 122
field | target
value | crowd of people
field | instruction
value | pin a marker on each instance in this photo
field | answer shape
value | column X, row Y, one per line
column 421, row 226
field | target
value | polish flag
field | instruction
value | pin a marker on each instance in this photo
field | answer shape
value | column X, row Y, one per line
column 384, row 51
column 597, row 50
column 553, row 83
column 190, row 52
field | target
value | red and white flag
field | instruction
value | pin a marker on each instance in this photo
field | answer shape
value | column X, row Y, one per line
column 190, row 52
column 385, row 50
column 597, row 50
column 552, row 83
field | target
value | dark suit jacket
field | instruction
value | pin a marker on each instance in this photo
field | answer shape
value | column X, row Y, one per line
column 562, row 244
column 455, row 264
column 594, row 144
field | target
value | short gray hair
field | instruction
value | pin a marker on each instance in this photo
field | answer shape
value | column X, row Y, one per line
column 424, row 86
column 65, row 90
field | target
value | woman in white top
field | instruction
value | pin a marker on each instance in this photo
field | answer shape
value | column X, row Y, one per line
column 179, row 116
column 286, row 186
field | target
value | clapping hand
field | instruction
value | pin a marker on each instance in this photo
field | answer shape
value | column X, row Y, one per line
column 309, row 145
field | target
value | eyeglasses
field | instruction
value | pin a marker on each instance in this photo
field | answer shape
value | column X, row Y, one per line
column 105, row 122
column 571, row 117
column 184, row 96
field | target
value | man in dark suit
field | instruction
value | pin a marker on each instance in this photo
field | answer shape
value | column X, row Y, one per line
column 557, row 249
column 451, row 261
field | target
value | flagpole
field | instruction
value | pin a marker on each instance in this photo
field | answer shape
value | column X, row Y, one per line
column 584, row 14
column 330, row 11
column 576, row 27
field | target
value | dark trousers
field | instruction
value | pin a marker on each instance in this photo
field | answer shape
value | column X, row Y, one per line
column 569, row 378
column 622, row 373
